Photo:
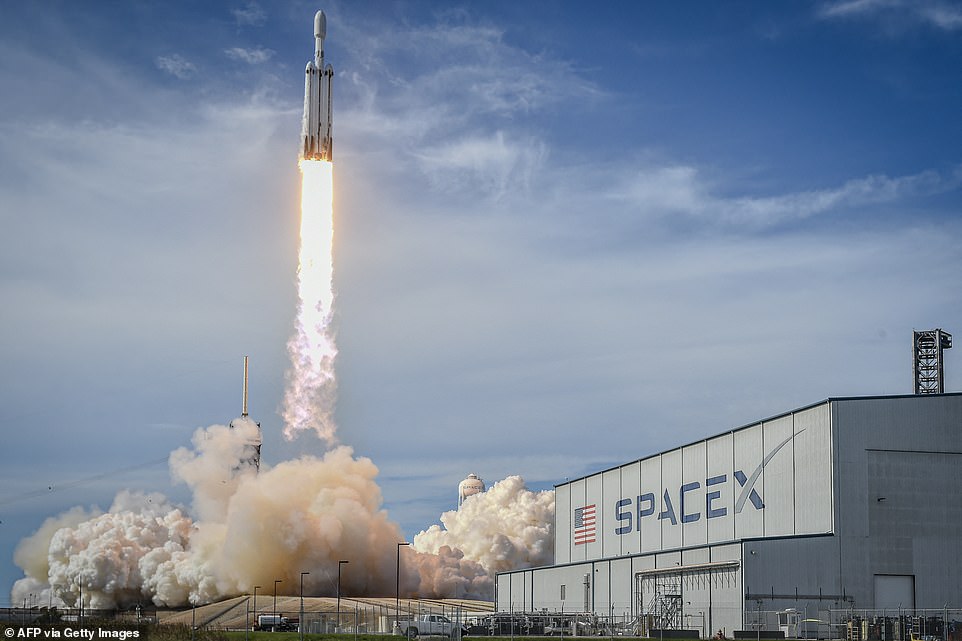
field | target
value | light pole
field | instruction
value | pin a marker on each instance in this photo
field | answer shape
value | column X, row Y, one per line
column 339, row 564
column 300, row 621
column 80, row 584
column 274, row 620
column 247, row 614
column 255, row 602
column 397, row 586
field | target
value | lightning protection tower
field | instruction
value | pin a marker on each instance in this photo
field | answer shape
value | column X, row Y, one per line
column 927, row 349
column 252, row 449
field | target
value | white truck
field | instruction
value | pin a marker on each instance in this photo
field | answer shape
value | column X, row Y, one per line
column 428, row 625
column 273, row 623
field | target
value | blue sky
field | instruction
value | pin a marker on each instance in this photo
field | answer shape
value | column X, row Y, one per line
column 566, row 236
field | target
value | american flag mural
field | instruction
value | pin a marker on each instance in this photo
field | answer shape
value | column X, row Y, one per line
column 585, row 525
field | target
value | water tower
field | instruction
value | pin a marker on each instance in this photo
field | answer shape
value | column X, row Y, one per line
column 469, row 487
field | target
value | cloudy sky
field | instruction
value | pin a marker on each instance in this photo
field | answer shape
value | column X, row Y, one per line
column 567, row 235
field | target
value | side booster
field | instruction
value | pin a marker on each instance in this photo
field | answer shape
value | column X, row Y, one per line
column 316, row 141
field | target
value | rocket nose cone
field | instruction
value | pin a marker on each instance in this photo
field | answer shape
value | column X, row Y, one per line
column 320, row 25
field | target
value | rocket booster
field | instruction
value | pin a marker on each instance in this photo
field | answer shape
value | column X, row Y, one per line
column 316, row 141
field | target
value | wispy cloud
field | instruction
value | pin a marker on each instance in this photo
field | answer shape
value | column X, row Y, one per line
column 252, row 14
column 252, row 56
column 176, row 65
column 935, row 13
column 856, row 7
column 948, row 17
column 463, row 74
column 857, row 192
column 458, row 100
column 678, row 190
column 491, row 165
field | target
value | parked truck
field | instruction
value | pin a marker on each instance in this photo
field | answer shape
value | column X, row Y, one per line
column 274, row 623
column 430, row 625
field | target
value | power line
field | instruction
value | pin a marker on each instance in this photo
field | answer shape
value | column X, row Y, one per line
column 56, row 487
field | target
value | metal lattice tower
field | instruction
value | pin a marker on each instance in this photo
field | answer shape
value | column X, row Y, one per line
column 927, row 349
column 666, row 603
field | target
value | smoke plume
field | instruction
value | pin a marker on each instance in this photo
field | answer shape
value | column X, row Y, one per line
column 506, row 528
column 251, row 528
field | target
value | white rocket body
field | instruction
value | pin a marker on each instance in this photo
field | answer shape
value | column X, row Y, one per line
column 316, row 141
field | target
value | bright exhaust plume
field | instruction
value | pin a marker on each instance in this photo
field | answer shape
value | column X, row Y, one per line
column 311, row 386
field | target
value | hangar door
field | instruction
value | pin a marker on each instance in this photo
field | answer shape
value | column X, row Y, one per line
column 661, row 594
column 895, row 591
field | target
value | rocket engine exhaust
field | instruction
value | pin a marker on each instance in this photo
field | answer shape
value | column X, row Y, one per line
column 311, row 385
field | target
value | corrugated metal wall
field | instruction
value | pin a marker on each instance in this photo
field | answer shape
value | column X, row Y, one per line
column 900, row 495
column 769, row 479
column 617, row 587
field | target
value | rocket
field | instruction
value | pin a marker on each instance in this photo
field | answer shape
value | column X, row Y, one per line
column 316, row 142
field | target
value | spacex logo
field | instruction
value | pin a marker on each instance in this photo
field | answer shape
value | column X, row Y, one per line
column 748, row 484
column 630, row 512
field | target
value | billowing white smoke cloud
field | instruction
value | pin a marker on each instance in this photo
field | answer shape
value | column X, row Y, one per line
column 447, row 573
column 216, row 465
column 112, row 554
column 506, row 528
column 31, row 555
column 301, row 516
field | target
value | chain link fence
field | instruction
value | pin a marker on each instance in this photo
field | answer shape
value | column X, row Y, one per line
column 852, row 624
column 844, row 624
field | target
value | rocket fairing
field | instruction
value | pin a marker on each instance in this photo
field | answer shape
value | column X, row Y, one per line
column 316, row 141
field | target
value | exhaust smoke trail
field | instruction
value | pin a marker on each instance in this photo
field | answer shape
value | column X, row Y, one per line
column 311, row 386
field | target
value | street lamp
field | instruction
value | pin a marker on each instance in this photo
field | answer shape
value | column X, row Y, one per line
column 397, row 587
column 80, row 584
column 339, row 563
column 300, row 621
column 247, row 623
column 274, row 620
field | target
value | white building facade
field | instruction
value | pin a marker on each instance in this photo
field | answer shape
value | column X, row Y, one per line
column 849, row 503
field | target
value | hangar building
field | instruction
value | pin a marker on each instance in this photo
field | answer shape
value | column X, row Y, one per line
column 848, row 503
